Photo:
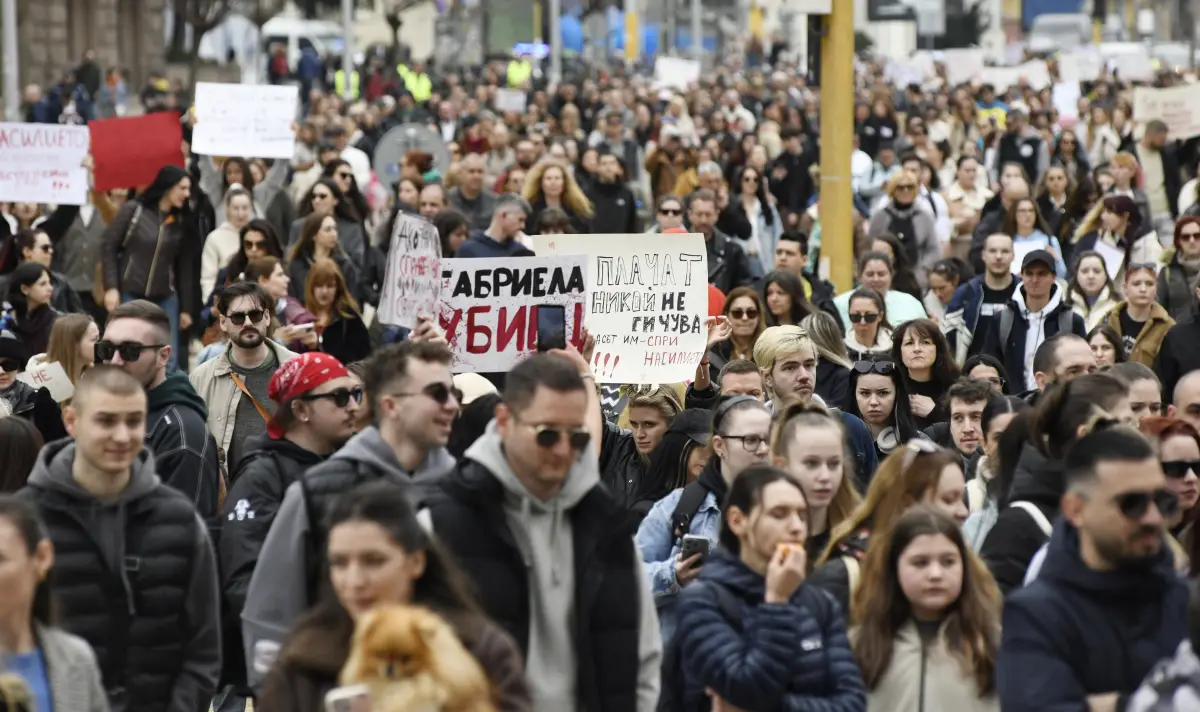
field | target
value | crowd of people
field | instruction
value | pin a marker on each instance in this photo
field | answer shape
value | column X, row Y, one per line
column 968, row 481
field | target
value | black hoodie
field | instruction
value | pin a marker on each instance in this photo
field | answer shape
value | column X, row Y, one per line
column 615, row 209
column 184, row 451
column 1016, row 536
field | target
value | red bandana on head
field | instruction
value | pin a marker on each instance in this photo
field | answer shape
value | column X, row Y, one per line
column 298, row 376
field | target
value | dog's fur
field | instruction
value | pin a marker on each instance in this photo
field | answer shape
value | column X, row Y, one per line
column 413, row 662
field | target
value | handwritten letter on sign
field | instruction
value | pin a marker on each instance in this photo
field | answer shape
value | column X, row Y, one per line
column 43, row 163
column 489, row 307
column 412, row 284
column 647, row 302
column 1177, row 107
column 252, row 121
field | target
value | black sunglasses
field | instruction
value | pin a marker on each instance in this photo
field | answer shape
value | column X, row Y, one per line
column 130, row 351
column 253, row 244
column 743, row 313
column 670, row 211
column 883, row 368
column 439, row 392
column 239, row 318
column 548, row 436
column 341, row 397
column 868, row 318
column 1178, row 469
column 1133, row 505
column 10, row 365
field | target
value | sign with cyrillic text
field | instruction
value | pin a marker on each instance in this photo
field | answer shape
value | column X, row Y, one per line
column 43, row 163
column 647, row 302
column 247, row 120
column 489, row 307
column 412, row 283
column 52, row 377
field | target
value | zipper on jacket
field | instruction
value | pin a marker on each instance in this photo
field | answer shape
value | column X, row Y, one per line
column 921, row 698
column 157, row 242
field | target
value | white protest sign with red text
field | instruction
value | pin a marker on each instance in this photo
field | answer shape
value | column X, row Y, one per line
column 489, row 307
column 43, row 163
column 52, row 377
column 412, row 284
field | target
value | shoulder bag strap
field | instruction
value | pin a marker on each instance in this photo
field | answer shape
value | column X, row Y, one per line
column 1035, row 514
column 246, row 391
column 137, row 214
column 853, row 573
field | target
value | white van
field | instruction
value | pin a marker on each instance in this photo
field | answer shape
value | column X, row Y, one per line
column 297, row 34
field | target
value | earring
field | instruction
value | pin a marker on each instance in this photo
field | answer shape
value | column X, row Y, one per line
column 305, row 419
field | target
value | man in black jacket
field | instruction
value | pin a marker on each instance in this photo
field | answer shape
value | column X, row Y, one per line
column 615, row 208
column 549, row 549
column 728, row 266
column 137, row 338
column 135, row 572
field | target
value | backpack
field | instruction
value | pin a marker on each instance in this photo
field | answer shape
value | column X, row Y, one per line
column 1065, row 324
column 689, row 503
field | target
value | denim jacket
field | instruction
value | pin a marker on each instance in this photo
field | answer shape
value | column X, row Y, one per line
column 656, row 542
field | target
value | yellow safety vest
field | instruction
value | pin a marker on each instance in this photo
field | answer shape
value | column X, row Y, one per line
column 519, row 72
column 417, row 83
column 339, row 83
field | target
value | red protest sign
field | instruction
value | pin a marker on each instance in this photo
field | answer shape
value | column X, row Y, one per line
column 129, row 151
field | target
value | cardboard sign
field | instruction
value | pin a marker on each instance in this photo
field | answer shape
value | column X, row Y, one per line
column 489, row 307
column 412, row 283
column 647, row 303
column 675, row 72
column 129, row 152
column 248, row 120
column 1177, row 107
column 43, row 163
column 52, row 377
column 509, row 100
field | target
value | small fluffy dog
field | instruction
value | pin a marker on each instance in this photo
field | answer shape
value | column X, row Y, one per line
column 413, row 662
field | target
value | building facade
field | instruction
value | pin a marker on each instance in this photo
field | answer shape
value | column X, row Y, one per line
column 54, row 34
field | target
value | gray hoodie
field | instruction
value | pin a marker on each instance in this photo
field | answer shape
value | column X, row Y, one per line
column 278, row 591
column 106, row 523
column 542, row 531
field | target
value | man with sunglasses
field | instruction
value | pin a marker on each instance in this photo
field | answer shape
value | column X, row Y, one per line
column 137, row 339
column 1108, row 603
column 414, row 403
column 550, row 550
column 234, row 385
column 317, row 404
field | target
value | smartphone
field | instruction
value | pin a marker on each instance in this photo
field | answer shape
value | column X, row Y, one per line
column 551, row 327
column 305, row 327
column 352, row 698
column 693, row 545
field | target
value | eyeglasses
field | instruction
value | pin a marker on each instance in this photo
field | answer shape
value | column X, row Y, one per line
column 863, row 317
column 341, row 174
column 913, row 448
column 750, row 443
column 743, row 313
column 239, row 318
column 130, row 351
column 439, row 393
column 1178, row 469
column 341, row 397
column 749, row 179
column 670, row 211
column 547, row 436
column 906, row 186
column 253, row 244
column 11, row 365
column 1133, row 505
column 883, row 368
column 995, row 381
column 1189, row 236
column 46, row 247
column 321, row 196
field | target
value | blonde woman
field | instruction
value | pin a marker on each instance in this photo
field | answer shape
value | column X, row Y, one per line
column 914, row 227
column 833, row 369
column 549, row 184
column 72, row 344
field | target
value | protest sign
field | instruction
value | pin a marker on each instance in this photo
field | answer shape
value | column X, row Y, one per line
column 43, row 163
column 509, row 100
column 52, row 377
column 248, row 120
column 647, row 302
column 675, row 72
column 412, row 283
column 1177, row 107
column 963, row 65
column 129, row 151
column 489, row 307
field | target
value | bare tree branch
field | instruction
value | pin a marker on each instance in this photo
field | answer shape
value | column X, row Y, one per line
column 204, row 15
column 260, row 11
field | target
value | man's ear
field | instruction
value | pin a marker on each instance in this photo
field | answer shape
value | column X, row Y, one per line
column 1042, row 380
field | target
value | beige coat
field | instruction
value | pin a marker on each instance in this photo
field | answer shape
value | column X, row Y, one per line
column 212, row 381
column 948, row 686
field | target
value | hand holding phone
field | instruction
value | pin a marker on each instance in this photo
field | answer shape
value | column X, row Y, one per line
column 551, row 327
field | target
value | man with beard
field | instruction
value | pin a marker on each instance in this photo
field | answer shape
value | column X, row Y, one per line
column 615, row 206
column 1108, row 604
column 234, row 385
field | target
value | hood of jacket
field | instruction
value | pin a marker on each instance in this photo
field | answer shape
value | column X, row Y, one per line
column 1056, row 298
column 265, row 446
column 176, row 389
column 1037, row 479
column 370, row 447
column 53, row 472
column 1139, row 582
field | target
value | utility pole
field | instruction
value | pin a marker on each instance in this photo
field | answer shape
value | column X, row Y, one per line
column 556, row 48
column 837, row 142
column 12, row 84
column 348, row 47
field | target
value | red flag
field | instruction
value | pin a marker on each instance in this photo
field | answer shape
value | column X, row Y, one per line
column 129, row 151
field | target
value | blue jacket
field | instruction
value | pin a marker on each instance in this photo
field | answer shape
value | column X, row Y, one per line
column 656, row 541
column 969, row 298
column 1076, row 632
column 784, row 658
column 480, row 245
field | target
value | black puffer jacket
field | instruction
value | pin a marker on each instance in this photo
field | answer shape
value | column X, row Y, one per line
column 621, row 467
column 1016, row 536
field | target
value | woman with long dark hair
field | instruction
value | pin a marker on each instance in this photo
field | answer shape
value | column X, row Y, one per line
column 988, row 490
column 320, row 239
column 326, row 198
column 679, row 458
column 752, row 204
column 340, row 326
column 783, row 294
column 378, row 555
column 1107, row 346
column 920, row 351
column 31, row 318
column 878, row 394
column 20, row 443
column 870, row 331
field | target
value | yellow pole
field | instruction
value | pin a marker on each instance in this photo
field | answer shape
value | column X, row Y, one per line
column 633, row 35
column 537, row 22
column 837, row 143
column 1097, row 30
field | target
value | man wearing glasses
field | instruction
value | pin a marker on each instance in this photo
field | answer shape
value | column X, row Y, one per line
column 549, row 549
column 234, row 385
column 414, row 402
column 137, row 338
